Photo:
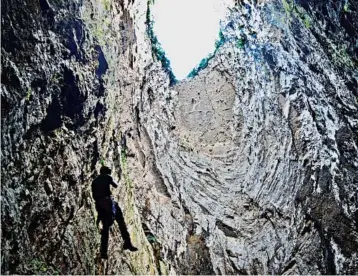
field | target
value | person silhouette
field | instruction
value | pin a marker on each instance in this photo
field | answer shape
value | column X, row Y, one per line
column 108, row 210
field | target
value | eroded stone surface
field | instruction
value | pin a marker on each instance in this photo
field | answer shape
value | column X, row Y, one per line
column 257, row 175
column 269, row 198
column 205, row 113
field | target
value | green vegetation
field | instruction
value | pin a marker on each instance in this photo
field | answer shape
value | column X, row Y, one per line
column 151, row 238
column 143, row 261
column 99, row 31
column 202, row 65
column 58, row 132
column 346, row 8
column 55, row 78
column 287, row 6
column 106, row 4
column 307, row 22
column 219, row 42
column 205, row 61
column 156, row 46
column 298, row 12
column 99, row 22
column 38, row 267
column 301, row 13
column 341, row 57
column 127, row 179
column 241, row 43
column 28, row 95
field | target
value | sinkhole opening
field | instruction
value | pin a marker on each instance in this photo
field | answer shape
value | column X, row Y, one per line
column 185, row 34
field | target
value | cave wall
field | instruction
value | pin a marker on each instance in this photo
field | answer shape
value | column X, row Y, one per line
column 259, row 149
column 248, row 168
column 65, row 68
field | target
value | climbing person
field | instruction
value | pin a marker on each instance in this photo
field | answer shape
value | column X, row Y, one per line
column 108, row 210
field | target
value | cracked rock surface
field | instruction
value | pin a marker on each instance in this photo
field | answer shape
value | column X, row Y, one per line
column 250, row 167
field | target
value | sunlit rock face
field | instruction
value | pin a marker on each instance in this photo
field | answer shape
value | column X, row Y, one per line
column 205, row 114
column 261, row 147
column 248, row 168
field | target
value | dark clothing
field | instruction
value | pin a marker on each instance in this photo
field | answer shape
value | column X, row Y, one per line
column 122, row 225
column 108, row 211
column 100, row 186
column 107, row 215
column 104, row 209
column 104, row 237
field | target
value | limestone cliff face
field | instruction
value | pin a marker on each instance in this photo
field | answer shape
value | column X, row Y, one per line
column 248, row 168
column 69, row 69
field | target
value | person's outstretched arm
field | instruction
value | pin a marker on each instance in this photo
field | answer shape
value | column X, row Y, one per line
column 114, row 184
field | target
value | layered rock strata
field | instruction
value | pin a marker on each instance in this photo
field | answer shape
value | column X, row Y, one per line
column 248, row 168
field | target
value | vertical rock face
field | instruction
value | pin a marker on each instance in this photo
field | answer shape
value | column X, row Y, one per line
column 250, row 167
column 259, row 151
column 68, row 67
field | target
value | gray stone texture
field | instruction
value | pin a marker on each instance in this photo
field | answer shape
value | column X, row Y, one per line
column 251, row 167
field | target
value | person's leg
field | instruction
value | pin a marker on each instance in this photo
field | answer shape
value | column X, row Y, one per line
column 122, row 225
column 98, row 209
column 104, row 238
column 123, row 228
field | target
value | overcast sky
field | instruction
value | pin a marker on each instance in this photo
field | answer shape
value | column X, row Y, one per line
column 187, row 30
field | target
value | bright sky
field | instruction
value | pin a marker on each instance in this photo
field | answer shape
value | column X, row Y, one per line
column 187, row 30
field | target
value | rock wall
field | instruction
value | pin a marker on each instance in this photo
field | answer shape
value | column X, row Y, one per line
column 259, row 150
column 248, row 168
column 67, row 68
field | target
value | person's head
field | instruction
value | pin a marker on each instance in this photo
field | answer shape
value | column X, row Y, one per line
column 105, row 170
